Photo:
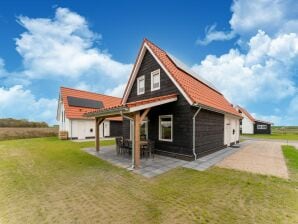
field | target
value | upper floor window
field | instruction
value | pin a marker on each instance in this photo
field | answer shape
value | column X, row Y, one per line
column 141, row 85
column 155, row 80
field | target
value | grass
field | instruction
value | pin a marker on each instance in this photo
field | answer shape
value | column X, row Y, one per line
column 50, row 181
column 21, row 133
column 291, row 155
column 289, row 136
column 278, row 132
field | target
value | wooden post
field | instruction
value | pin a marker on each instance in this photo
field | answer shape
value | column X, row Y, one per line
column 137, row 161
column 98, row 121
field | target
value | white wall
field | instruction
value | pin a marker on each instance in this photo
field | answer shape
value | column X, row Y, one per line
column 247, row 125
column 80, row 128
column 231, row 125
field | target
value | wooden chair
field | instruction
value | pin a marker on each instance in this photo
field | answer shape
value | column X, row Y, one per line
column 119, row 145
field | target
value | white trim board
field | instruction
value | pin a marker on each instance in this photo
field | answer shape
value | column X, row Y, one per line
column 153, row 104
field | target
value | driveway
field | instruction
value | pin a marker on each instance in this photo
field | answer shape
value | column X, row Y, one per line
column 261, row 157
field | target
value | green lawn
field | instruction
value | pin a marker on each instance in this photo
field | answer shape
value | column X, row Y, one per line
column 291, row 155
column 289, row 136
column 50, row 181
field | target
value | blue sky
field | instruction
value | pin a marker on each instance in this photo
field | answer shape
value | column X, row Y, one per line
column 248, row 49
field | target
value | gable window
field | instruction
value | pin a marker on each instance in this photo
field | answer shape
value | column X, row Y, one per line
column 262, row 126
column 166, row 128
column 141, row 85
column 155, row 80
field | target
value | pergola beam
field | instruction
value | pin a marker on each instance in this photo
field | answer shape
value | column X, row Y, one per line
column 98, row 121
column 144, row 114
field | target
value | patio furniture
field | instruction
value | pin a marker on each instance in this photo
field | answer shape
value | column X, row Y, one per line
column 119, row 145
column 127, row 146
column 148, row 149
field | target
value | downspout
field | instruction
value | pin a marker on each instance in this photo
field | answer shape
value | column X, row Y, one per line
column 132, row 139
column 194, row 132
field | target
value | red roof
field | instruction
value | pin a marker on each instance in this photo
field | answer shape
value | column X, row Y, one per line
column 73, row 112
column 250, row 117
column 198, row 91
column 137, row 103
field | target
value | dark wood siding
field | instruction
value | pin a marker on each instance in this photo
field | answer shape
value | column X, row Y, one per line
column 115, row 128
column 262, row 131
column 181, row 146
column 181, row 111
column 126, row 128
column 210, row 125
column 149, row 65
column 209, row 132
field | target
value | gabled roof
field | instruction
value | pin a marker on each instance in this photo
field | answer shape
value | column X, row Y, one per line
column 250, row 117
column 195, row 89
column 76, row 112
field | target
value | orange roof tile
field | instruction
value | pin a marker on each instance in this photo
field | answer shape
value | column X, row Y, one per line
column 73, row 112
column 196, row 90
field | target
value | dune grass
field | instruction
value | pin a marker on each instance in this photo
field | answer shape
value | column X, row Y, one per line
column 50, row 181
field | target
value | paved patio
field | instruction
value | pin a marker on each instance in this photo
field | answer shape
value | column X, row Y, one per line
column 149, row 167
column 160, row 164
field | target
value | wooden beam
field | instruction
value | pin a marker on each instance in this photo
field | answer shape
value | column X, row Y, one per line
column 137, row 161
column 144, row 114
column 98, row 121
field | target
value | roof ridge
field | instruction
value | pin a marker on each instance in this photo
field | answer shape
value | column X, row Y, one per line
column 63, row 87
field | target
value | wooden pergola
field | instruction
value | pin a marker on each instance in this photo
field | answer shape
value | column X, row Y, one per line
column 137, row 118
column 135, row 112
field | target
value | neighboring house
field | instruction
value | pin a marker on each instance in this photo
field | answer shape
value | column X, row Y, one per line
column 74, row 103
column 249, row 125
column 184, row 115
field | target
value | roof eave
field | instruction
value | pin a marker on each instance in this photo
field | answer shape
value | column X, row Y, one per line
column 106, row 113
column 214, row 110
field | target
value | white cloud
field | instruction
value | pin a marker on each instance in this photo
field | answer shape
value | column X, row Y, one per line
column 263, row 71
column 211, row 34
column 117, row 91
column 64, row 46
column 271, row 16
column 17, row 102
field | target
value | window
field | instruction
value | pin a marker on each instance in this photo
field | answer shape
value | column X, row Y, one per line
column 141, row 85
column 155, row 80
column 166, row 128
column 262, row 126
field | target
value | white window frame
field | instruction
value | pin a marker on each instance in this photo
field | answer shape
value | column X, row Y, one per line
column 262, row 126
column 156, row 72
column 159, row 127
column 141, row 78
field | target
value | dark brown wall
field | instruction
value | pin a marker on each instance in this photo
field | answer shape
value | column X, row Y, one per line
column 262, row 131
column 209, row 132
column 149, row 65
column 125, row 128
column 210, row 125
column 115, row 128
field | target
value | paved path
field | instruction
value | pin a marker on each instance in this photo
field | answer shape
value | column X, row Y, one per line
column 205, row 162
column 262, row 157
